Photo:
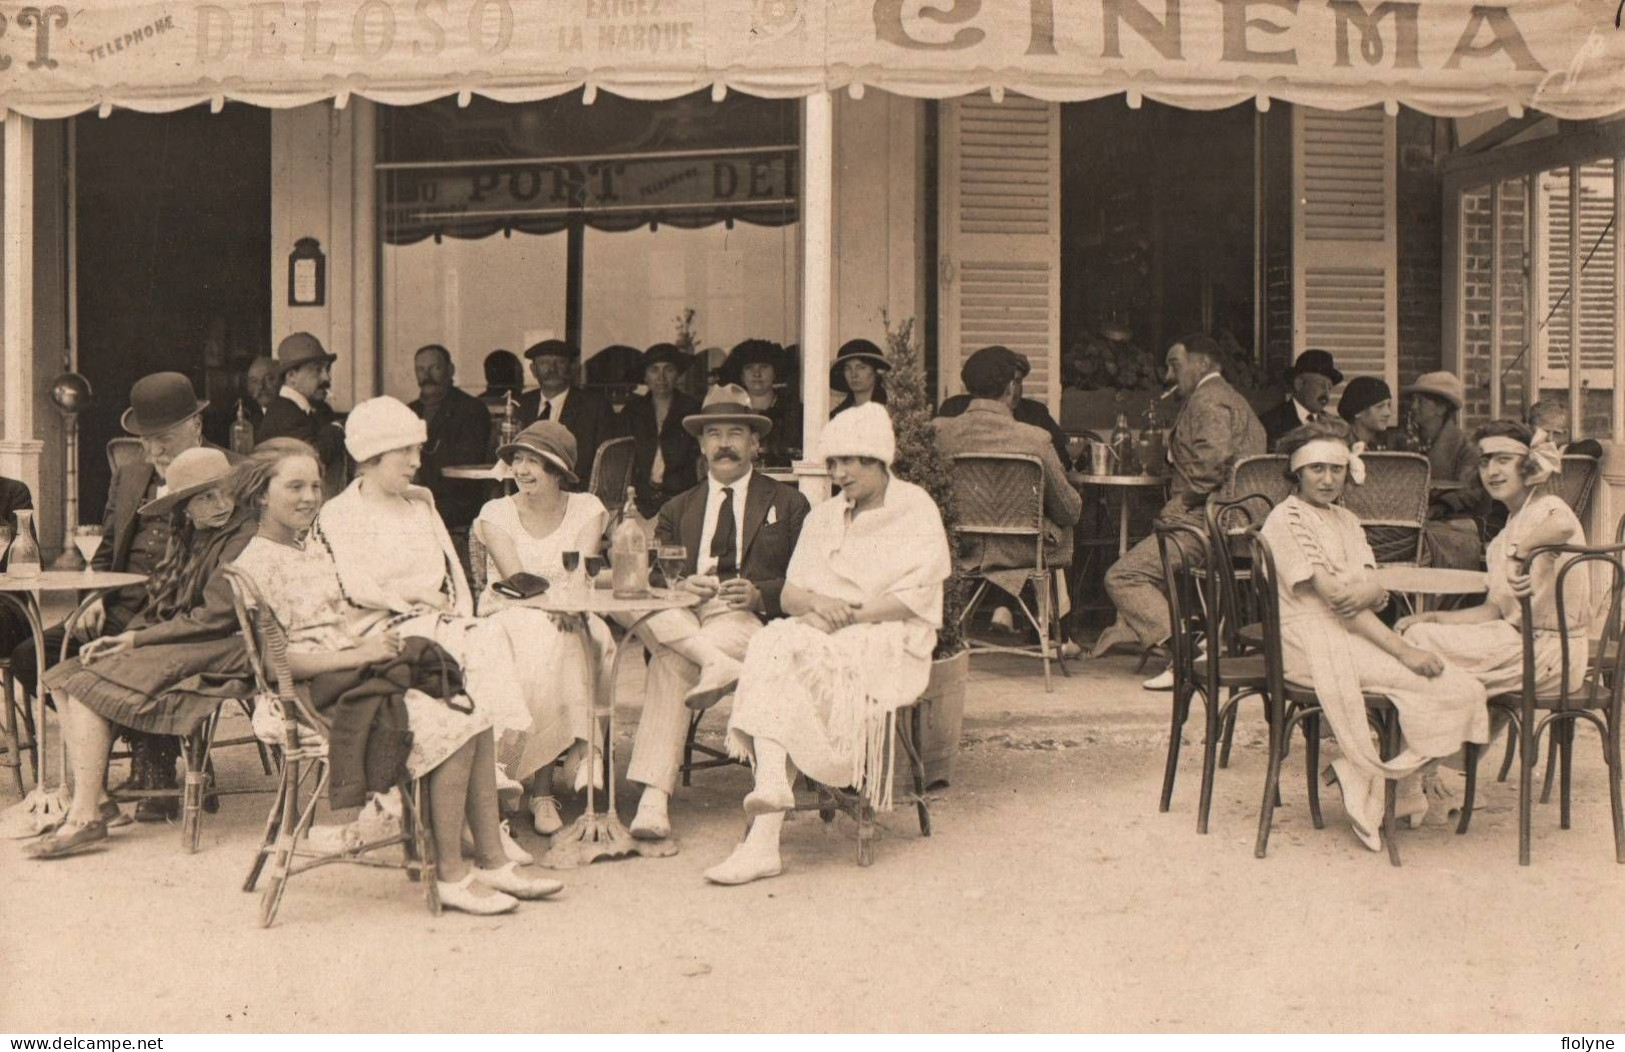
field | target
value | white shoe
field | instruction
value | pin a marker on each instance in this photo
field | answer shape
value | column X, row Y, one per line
column 510, row 881
column 508, row 791
column 460, row 895
column 1163, row 680
column 380, row 818
column 333, row 840
column 745, row 865
column 717, row 680
column 511, row 848
column 1003, row 618
column 651, row 822
column 584, row 763
column 1357, row 791
column 544, row 816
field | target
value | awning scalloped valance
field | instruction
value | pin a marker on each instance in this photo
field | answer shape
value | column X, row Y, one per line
column 1444, row 57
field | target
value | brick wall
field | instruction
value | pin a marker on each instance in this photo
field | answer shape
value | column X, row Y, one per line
column 1477, row 246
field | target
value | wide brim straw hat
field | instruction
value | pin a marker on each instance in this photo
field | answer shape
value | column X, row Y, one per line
column 189, row 474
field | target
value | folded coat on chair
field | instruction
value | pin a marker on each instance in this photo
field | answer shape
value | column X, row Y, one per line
column 369, row 738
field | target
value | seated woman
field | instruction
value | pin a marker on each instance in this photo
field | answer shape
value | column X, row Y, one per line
column 154, row 677
column 666, row 457
column 818, row 692
column 400, row 572
column 452, row 748
column 1487, row 641
column 529, row 532
column 859, row 373
column 1331, row 639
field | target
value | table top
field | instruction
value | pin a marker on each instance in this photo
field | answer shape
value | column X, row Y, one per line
column 1432, row 580
column 68, row 581
column 603, row 601
column 1083, row 478
column 470, row 471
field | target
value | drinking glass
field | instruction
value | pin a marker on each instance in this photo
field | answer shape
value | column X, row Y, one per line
column 595, row 566
column 672, row 558
column 571, row 560
column 87, row 539
column 1076, row 446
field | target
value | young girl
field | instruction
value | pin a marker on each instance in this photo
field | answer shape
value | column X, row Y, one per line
column 451, row 749
column 1332, row 640
column 1487, row 641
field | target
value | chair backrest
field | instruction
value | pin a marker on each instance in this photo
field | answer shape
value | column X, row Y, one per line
column 1181, row 547
column 999, row 495
column 122, row 451
column 1227, row 524
column 612, row 471
column 267, row 645
column 1264, row 474
column 1394, row 496
column 1268, row 602
column 1605, row 666
column 1576, row 483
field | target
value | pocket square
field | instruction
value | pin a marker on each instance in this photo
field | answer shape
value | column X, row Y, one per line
column 772, row 515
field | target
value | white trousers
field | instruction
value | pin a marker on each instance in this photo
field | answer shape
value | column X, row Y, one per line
column 657, row 750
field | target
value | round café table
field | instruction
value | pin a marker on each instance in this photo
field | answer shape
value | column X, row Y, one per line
column 1127, row 483
column 1419, row 582
column 43, row 806
column 600, row 834
column 477, row 472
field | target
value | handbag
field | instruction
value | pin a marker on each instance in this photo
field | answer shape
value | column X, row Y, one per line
column 520, row 586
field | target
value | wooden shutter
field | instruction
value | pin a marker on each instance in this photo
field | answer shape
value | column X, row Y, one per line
column 1344, row 247
column 1596, row 285
column 999, row 237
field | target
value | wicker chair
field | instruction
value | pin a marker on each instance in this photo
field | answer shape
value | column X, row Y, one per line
column 612, row 471
column 122, row 451
column 999, row 499
column 1392, row 505
column 1264, row 474
column 1577, row 483
column 296, row 733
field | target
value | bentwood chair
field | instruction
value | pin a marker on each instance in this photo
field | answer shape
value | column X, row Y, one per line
column 1227, row 524
column 999, row 504
column 298, row 736
column 612, row 471
column 1392, row 505
column 1292, row 704
column 1577, row 483
column 1198, row 611
column 1593, row 695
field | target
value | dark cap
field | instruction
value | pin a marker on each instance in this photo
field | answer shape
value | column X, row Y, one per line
column 556, row 348
column 1318, row 362
column 1361, row 394
column 988, row 372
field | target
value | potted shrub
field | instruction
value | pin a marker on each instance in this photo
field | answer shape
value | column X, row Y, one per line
column 919, row 462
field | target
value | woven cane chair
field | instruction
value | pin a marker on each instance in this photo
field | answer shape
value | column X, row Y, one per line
column 1223, row 676
column 297, row 734
column 612, row 471
column 1000, row 497
column 123, row 451
column 1263, row 474
column 1392, row 505
column 1292, row 704
column 1597, row 700
column 1577, row 483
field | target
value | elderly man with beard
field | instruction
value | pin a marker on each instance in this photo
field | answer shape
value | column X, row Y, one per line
column 739, row 528
column 459, row 433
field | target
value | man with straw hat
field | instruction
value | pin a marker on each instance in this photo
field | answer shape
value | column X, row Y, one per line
column 738, row 528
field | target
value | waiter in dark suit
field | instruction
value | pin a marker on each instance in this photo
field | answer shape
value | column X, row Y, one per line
column 739, row 527
column 167, row 416
column 666, row 461
column 587, row 413
column 1314, row 375
column 459, row 430
column 300, row 408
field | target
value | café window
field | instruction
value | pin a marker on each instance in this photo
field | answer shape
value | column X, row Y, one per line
column 604, row 224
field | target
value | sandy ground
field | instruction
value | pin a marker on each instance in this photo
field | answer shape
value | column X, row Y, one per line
column 1052, row 896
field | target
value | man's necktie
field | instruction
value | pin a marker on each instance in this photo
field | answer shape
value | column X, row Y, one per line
column 724, row 543
column 547, row 411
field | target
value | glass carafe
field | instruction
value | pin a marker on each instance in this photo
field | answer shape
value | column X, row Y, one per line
column 24, row 558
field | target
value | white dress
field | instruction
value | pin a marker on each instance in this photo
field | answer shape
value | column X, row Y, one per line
column 830, row 698
column 1318, row 650
column 301, row 586
column 572, row 664
column 1493, row 650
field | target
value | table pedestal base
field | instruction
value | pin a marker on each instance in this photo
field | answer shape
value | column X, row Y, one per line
column 595, row 836
column 36, row 812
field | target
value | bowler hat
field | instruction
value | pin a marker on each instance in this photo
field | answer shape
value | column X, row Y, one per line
column 858, row 350
column 159, row 402
column 1318, row 362
column 189, row 474
column 556, row 348
column 551, row 441
column 1444, row 386
column 726, row 404
column 301, row 349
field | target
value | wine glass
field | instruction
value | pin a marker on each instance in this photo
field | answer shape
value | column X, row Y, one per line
column 1076, row 446
column 595, row 566
column 672, row 559
column 571, row 559
column 87, row 539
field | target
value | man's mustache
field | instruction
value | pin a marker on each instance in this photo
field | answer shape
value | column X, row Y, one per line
column 727, row 454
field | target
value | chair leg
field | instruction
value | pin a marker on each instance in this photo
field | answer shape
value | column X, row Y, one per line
column 914, row 735
column 1391, row 747
column 688, row 749
column 1616, row 799
column 1272, row 779
column 1043, row 633
column 866, row 833
column 273, row 822
column 13, row 743
column 1054, row 586
column 1512, row 751
column 1210, row 759
column 1551, row 766
column 1526, row 788
column 1311, row 759
column 1229, row 738
column 1566, row 773
column 1470, row 757
column 1181, row 707
column 282, row 853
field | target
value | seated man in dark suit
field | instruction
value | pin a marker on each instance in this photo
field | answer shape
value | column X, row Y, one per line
column 459, row 429
column 739, row 527
column 1314, row 375
column 1027, row 411
column 586, row 412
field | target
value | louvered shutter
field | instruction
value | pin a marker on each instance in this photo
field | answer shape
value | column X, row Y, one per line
column 1596, row 285
column 999, row 237
column 1344, row 248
